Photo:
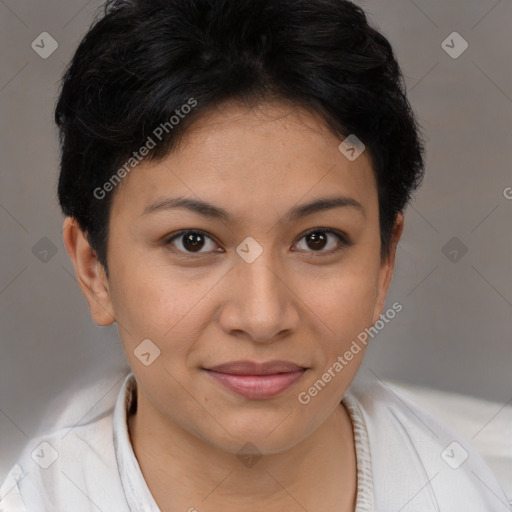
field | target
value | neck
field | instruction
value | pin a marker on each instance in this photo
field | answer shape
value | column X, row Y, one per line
column 183, row 471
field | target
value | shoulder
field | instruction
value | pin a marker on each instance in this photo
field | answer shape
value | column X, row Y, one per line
column 418, row 463
column 69, row 466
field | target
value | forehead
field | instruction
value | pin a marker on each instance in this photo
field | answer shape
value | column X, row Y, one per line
column 251, row 159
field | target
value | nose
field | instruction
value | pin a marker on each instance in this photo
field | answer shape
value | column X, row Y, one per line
column 261, row 304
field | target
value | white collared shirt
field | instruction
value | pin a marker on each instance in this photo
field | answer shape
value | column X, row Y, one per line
column 406, row 462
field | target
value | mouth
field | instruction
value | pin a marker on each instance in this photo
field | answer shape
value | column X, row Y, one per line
column 257, row 381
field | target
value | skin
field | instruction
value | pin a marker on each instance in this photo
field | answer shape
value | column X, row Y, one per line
column 295, row 302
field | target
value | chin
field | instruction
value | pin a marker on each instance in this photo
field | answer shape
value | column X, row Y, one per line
column 271, row 435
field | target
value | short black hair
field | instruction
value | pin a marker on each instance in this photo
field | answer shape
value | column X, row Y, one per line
column 151, row 67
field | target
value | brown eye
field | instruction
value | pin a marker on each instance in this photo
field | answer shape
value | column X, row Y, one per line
column 191, row 241
column 318, row 240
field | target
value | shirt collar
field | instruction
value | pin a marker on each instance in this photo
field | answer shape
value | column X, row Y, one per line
column 138, row 495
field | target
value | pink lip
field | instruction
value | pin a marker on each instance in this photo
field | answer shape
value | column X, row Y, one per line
column 257, row 380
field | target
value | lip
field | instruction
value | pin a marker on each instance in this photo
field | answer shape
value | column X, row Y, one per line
column 257, row 380
column 247, row 367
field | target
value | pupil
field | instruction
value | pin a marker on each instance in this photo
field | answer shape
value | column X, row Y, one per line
column 193, row 241
column 316, row 240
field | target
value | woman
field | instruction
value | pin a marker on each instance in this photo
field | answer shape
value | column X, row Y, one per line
column 234, row 176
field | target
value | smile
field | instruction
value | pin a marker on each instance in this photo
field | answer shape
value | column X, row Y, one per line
column 257, row 387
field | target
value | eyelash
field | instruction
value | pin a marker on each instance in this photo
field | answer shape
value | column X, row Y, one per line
column 344, row 241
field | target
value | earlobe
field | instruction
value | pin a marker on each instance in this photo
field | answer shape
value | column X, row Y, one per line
column 387, row 267
column 89, row 272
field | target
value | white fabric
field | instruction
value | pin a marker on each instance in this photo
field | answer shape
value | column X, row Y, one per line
column 398, row 446
column 486, row 424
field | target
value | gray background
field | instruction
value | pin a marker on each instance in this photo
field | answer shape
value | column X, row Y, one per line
column 454, row 331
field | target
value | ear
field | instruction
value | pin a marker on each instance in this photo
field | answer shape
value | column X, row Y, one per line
column 387, row 267
column 90, row 273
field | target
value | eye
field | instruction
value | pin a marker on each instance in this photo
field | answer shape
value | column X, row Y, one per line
column 191, row 241
column 317, row 239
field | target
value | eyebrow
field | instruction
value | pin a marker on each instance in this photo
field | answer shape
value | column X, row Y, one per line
column 209, row 210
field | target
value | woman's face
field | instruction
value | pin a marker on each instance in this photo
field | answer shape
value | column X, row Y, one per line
column 252, row 285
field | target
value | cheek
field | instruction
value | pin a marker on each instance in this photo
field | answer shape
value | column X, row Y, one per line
column 342, row 305
column 159, row 303
column 344, row 298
